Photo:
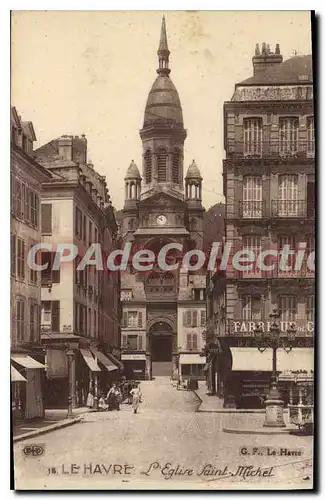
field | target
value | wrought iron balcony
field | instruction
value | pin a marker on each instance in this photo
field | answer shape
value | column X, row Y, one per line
column 268, row 149
column 251, row 209
column 292, row 208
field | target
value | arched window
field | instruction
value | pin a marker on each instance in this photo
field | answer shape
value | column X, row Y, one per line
column 148, row 166
column 176, row 166
column 162, row 165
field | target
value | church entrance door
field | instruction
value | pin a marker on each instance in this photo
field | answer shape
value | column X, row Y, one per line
column 161, row 343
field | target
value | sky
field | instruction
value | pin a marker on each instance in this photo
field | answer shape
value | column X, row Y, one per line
column 90, row 72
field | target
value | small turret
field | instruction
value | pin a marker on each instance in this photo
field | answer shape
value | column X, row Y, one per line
column 193, row 183
column 132, row 183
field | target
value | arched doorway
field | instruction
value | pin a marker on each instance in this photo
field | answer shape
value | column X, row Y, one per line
column 161, row 347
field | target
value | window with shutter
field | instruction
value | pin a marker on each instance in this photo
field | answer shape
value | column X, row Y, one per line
column 187, row 318
column 288, row 307
column 189, row 341
column 84, row 233
column 49, row 275
column 55, row 316
column 20, row 258
column 253, row 128
column 125, row 319
column 140, row 319
column 194, row 319
column 33, row 320
column 33, row 274
column 124, row 340
column 203, row 318
column 13, row 241
column 194, row 341
column 140, row 342
column 20, row 319
column 46, row 218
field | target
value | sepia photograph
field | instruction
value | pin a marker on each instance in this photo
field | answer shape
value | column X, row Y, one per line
column 162, row 250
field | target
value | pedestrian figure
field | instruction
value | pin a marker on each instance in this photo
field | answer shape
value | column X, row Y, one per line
column 129, row 389
column 90, row 397
column 102, row 406
column 136, row 398
column 113, row 398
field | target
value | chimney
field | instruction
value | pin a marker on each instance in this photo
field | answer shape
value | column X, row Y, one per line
column 65, row 147
column 265, row 58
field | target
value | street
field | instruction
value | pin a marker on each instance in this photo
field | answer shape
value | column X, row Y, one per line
column 169, row 445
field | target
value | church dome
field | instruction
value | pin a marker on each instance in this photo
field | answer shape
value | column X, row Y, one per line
column 133, row 171
column 163, row 103
column 193, row 171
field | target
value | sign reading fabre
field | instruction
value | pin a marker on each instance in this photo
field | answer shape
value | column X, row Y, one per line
column 248, row 327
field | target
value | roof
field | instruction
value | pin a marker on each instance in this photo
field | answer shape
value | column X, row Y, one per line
column 296, row 70
column 163, row 102
column 193, row 171
column 133, row 171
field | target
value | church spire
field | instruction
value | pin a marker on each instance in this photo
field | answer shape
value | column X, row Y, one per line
column 163, row 52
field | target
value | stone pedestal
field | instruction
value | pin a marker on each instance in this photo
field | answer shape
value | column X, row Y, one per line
column 274, row 413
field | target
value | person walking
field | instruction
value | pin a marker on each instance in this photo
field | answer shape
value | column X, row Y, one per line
column 136, row 398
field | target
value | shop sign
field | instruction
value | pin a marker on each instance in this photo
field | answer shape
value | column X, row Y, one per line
column 249, row 326
column 133, row 357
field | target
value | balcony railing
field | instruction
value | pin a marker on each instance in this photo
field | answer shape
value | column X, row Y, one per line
column 292, row 208
column 252, row 209
column 277, row 271
column 269, row 149
column 241, row 327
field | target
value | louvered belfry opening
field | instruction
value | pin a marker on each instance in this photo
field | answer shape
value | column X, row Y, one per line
column 148, row 166
column 162, row 165
column 176, row 166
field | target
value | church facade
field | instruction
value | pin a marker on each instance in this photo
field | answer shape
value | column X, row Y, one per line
column 164, row 310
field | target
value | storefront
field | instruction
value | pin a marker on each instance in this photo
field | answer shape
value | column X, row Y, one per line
column 134, row 366
column 27, row 390
column 249, row 380
column 191, row 366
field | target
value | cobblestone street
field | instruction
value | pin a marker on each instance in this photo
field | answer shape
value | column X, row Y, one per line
column 167, row 429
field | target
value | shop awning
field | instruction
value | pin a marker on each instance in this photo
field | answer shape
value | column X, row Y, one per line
column 26, row 361
column 16, row 376
column 251, row 359
column 103, row 359
column 133, row 357
column 91, row 362
column 301, row 358
column 192, row 359
column 116, row 361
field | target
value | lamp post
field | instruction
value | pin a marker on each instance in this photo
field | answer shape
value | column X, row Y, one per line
column 272, row 339
column 70, row 356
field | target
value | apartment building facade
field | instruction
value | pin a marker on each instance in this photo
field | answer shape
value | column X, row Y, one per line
column 27, row 177
column 80, row 308
column 269, row 186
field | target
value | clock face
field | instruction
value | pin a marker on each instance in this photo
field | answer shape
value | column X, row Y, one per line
column 161, row 220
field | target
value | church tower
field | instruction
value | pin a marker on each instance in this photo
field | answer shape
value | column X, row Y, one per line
column 163, row 133
column 163, row 310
